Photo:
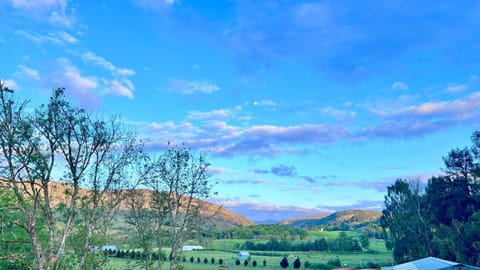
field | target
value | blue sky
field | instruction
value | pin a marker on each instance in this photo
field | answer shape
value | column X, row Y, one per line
column 303, row 107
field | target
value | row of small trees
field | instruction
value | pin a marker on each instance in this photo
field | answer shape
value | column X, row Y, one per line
column 101, row 166
column 342, row 243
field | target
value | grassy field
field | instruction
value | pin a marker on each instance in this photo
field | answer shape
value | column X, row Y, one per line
column 224, row 249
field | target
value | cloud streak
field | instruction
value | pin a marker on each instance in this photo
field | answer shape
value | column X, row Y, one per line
column 187, row 87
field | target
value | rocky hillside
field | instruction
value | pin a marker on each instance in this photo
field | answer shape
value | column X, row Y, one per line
column 342, row 220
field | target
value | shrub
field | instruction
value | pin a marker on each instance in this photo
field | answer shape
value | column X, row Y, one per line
column 192, row 259
column 205, row 260
column 306, row 264
column 264, row 262
column 184, row 259
column 237, row 262
column 284, row 262
column 297, row 263
column 245, row 262
column 254, row 263
column 220, row 261
column 198, row 260
column 335, row 262
column 212, row 260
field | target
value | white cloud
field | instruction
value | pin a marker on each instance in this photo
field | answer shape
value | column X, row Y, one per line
column 215, row 114
column 105, row 64
column 399, row 86
column 36, row 4
column 190, row 87
column 121, row 88
column 67, row 37
column 26, row 72
column 55, row 11
column 81, row 87
column 60, row 37
column 11, row 84
column 156, row 4
column 456, row 88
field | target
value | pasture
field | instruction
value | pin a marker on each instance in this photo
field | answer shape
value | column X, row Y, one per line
column 226, row 250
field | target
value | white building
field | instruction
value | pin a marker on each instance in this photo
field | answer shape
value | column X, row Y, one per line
column 190, row 248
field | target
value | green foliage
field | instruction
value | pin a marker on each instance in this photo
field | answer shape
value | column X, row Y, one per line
column 335, row 262
column 254, row 263
column 365, row 241
column 245, row 263
column 237, row 262
column 266, row 232
column 440, row 219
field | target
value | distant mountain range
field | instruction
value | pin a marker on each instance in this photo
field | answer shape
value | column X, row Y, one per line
column 342, row 220
column 223, row 218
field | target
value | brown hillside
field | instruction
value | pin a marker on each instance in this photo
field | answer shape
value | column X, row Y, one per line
column 342, row 220
column 295, row 219
column 223, row 218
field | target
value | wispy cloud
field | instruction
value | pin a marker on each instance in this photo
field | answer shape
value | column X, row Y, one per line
column 56, row 12
column 266, row 140
column 36, row 4
column 260, row 171
column 284, row 170
column 456, row 88
column 27, row 72
column 399, row 86
column 191, row 87
column 58, row 38
column 11, row 84
column 261, row 212
column 155, row 4
column 221, row 114
column 105, row 64
column 246, row 181
column 120, row 87
column 81, row 87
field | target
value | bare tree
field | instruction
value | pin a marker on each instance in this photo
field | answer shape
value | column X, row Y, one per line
column 88, row 152
column 177, row 181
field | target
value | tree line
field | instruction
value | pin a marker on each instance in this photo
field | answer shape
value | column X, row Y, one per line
column 101, row 165
column 264, row 232
column 342, row 243
column 439, row 218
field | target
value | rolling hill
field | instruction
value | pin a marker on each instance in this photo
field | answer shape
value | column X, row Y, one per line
column 342, row 220
column 221, row 217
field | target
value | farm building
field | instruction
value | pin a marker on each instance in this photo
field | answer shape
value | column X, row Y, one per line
column 243, row 255
column 190, row 248
column 431, row 263
column 109, row 247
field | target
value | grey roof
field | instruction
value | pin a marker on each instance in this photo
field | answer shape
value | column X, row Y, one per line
column 429, row 263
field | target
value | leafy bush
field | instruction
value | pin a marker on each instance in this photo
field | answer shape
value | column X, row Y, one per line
column 335, row 262
column 237, row 262
column 284, row 262
column 297, row 263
